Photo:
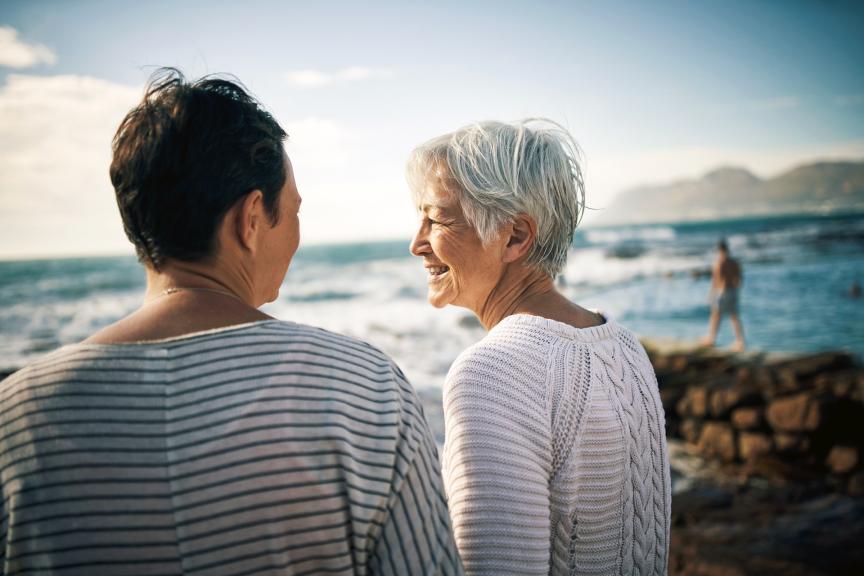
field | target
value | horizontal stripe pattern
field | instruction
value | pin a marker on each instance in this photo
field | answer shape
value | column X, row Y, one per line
column 268, row 448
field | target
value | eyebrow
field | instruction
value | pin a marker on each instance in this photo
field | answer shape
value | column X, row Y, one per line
column 439, row 207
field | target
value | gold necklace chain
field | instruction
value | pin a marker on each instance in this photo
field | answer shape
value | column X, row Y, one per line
column 176, row 289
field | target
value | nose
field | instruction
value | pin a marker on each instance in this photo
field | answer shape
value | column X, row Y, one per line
column 420, row 243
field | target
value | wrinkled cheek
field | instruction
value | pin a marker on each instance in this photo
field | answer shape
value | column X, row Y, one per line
column 449, row 290
column 441, row 294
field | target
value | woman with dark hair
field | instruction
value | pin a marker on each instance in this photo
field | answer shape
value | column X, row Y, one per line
column 198, row 434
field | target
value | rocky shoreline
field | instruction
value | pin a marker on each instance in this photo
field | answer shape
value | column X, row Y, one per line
column 770, row 478
column 790, row 419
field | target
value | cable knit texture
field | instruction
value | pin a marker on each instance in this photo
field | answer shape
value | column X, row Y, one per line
column 555, row 456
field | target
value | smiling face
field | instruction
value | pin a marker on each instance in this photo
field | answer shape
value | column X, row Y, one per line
column 462, row 271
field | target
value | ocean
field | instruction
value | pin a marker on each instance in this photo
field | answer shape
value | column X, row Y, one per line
column 651, row 278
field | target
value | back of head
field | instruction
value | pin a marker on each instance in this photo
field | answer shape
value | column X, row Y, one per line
column 722, row 246
column 184, row 156
column 501, row 170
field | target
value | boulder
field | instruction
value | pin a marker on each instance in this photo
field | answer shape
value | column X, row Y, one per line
column 748, row 417
column 732, row 395
column 800, row 412
column 765, row 380
column 660, row 362
column 694, row 403
column 753, row 445
column 745, row 375
column 717, row 440
column 842, row 459
column 798, row 373
column 843, row 384
column 691, row 429
column 677, row 363
column 791, row 443
column 787, row 380
column 670, row 396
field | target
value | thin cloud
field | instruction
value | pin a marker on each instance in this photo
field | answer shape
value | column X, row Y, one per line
column 848, row 100
column 15, row 53
column 55, row 148
column 770, row 104
column 317, row 78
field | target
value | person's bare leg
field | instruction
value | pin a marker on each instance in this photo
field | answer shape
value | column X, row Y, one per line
column 713, row 324
column 739, row 333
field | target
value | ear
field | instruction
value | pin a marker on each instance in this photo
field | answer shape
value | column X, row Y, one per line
column 521, row 232
column 250, row 219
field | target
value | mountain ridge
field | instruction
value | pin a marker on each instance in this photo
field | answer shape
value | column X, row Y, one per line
column 824, row 187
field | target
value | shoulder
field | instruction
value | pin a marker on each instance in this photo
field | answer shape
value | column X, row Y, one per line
column 505, row 354
column 64, row 359
column 340, row 358
column 37, row 382
column 313, row 337
column 506, row 371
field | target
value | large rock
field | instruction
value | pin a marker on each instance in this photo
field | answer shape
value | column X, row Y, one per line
column 753, row 445
column 748, row 417
column 726, row 397
column 843, row 384
column 762, row 378
column 796, row 413
column 789, row 444
column 691, row 430
column 811, row 364
column 842, row 459
column 667, row 362
column 694, row 403
column 799, row 373
column 670, row 395
column 717, row 440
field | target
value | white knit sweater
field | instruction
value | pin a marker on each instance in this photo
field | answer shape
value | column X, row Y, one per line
column 555, row 456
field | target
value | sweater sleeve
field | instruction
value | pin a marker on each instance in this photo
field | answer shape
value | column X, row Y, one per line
column 416, row 536
column 497, row 463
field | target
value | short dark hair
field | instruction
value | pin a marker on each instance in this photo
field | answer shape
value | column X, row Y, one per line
column 722, row 245
column 184, row 156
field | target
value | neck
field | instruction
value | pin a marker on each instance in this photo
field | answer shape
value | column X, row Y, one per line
column 520, row 289
column 201, row 276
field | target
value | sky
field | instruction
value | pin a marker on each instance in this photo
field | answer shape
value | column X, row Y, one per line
column 652, row 92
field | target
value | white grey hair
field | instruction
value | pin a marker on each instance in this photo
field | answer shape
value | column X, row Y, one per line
column 501, row 170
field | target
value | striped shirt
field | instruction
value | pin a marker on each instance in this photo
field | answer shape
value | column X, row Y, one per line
column 264, row 448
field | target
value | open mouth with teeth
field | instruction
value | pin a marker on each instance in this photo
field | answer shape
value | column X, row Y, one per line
column 435, row 271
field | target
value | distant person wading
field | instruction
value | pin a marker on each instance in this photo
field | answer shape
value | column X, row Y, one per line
column 726, row 279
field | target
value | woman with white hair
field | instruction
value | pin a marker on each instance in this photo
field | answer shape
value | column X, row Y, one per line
column 555, row 456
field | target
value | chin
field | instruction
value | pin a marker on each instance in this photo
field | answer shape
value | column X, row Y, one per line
column 437, row 301
column 272, row 297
